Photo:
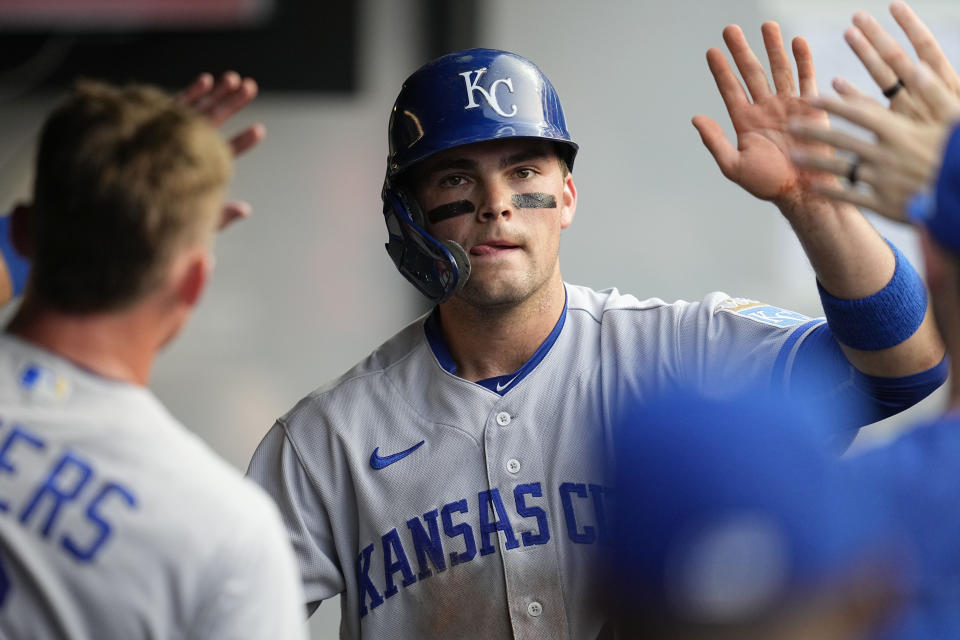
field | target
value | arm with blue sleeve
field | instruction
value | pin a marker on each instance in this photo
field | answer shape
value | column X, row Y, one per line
column 868, row 325
column 13, row 267
column 820, row 368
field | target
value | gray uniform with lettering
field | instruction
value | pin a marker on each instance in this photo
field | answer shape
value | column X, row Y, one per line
column 116, row 522
column 440, row 508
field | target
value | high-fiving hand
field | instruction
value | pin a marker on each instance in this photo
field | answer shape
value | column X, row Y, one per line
column 760, row 163
column 905, row 155
column 219, row 101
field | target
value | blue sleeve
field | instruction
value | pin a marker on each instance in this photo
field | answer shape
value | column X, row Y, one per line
column 17, row 265
column 820, row 368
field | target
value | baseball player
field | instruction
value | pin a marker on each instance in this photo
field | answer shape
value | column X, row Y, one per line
column 115, row 521
column 912, row 172
column 456, row 482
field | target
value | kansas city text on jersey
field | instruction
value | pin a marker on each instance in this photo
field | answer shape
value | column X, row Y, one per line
column 463, row 530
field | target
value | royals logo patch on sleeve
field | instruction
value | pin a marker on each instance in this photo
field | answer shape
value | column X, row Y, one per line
column 762, row 312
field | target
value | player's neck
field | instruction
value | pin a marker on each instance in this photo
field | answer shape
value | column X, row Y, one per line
column 492, row 342
column 120, row 346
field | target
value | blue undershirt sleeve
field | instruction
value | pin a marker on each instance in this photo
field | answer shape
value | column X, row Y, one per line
column 820, row 368
column 17, row 266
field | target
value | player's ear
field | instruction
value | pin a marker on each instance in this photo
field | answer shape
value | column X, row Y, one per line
column 20, row 229
column 193, row 275
column 568, row 206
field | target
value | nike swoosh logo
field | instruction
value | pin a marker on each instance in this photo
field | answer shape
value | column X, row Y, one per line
column 501, row 387
column 379, row 462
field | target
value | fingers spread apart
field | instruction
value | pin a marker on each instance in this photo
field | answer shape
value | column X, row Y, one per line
column 779, row 62
column 926, row 46
column 747, row 63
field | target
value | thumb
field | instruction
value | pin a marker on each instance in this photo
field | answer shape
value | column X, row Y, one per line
column 726, row 156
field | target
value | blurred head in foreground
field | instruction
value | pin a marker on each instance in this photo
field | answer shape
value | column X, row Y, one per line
column 733, row 522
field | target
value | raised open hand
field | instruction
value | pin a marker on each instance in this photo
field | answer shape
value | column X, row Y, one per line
column 891, row 67
column 905, row 155
column 219, row 101
column 760, row 163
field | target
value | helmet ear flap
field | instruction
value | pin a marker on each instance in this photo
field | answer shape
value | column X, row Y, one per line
column 416, row 212
column 437, row 270
column 462, row 260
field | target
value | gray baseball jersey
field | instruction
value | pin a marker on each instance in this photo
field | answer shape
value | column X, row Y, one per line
column 445, row 508
column 116, row 522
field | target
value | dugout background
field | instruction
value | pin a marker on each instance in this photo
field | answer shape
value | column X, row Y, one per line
column 304, row 289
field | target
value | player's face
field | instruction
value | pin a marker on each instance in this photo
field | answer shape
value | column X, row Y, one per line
column 505, row 202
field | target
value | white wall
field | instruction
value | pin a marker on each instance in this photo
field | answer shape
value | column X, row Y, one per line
column 305, row 289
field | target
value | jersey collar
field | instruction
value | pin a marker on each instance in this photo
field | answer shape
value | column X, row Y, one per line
column 498, row 384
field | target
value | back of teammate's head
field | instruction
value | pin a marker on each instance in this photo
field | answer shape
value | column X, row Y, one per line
column 733, row 522
column 125, row 179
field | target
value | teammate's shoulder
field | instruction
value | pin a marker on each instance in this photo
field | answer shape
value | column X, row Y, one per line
column 212, row 490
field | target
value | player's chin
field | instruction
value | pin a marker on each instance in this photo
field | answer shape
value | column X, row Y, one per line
column 492, row 292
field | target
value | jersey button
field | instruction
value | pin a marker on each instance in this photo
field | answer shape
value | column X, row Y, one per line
column 503, row 418
column 513, row 465
column 535, row 609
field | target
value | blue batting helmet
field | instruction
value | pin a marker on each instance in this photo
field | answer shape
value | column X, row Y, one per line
column 460, row 98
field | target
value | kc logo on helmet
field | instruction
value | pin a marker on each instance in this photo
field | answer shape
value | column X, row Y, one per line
column 491, row 95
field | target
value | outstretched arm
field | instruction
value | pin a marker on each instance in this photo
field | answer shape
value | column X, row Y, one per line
column 851, row 260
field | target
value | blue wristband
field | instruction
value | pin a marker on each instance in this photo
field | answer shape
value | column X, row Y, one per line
column 17, row 265
column 884, row 319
